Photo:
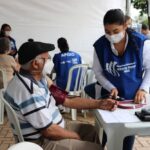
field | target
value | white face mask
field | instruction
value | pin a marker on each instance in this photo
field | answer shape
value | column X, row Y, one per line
column 115, row 38
column 7, row 33
column 129, row 26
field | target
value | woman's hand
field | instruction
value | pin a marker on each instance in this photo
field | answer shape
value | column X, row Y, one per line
column 108, row 104
column 114, row 93
column 140, row 96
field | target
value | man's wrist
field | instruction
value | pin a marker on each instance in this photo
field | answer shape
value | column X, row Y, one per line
column 102, row 103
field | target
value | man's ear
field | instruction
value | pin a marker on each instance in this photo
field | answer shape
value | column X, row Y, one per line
column 35, row 64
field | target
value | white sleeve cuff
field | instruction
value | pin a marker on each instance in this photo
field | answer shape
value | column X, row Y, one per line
column 145, row 87
column 108, row 86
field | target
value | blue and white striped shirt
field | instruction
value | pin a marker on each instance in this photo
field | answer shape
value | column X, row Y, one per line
column 36, row 110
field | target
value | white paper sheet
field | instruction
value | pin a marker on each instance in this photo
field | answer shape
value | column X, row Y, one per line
column 118, row 116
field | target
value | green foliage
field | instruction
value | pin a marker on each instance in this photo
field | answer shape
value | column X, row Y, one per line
column 142, row 5
column 145, row 19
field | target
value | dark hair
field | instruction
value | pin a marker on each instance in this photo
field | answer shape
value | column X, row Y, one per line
column 30, row 40
column 2, row 34
column 126, row 18
column 114, row 16
column 4, row 45
column 63, row 44
column 4, row 26
column 145, row 27
column 133, row 42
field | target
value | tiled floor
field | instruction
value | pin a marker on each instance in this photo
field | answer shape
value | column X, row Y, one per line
column 6, row 137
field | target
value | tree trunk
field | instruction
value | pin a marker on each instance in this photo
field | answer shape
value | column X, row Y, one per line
column 149, row 21
column 148, row 12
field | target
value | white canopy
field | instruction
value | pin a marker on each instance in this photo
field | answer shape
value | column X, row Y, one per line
column 80, row 21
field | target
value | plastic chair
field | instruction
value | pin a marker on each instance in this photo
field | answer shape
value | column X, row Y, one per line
column 80, row 81
column 25, row 146
column 3, row 84
column 13, row 119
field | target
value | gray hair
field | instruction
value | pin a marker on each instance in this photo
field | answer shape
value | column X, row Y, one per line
column 27, row 65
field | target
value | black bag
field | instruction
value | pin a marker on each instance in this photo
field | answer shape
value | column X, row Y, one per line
column 144, row 115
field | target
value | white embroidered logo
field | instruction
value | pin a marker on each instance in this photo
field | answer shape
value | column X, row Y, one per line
column 114, row 69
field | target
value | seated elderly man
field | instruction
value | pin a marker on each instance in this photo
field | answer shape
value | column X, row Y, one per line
column 35, row 101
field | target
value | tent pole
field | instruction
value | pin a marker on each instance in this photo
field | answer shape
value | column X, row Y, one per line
column 128, row 5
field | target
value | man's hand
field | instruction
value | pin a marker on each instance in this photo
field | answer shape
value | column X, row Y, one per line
column 114, row 93
column 75, row 136
column 140, row 96
column 108, row 104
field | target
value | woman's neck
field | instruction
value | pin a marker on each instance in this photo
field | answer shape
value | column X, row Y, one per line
column 120, row 47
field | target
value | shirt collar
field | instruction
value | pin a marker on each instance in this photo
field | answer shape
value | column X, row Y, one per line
column 26, row 74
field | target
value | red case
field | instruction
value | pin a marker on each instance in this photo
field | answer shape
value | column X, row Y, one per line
column 58, row 94
column 123, row 106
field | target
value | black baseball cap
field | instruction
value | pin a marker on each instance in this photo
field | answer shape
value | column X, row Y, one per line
column 30, row 50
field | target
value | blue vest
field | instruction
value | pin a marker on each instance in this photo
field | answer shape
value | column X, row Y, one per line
column 62, row 63
column 124, row 72
column 13, row 46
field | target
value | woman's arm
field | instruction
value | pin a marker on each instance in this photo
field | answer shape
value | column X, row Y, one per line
column 146, row 65
column 145, row 86
column 106, row 84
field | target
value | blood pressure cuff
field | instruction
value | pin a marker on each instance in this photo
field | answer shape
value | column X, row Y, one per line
column 58, row 94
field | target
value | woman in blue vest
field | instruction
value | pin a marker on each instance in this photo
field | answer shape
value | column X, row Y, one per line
column 120, row 57
column 63, row 61
column 5, row 32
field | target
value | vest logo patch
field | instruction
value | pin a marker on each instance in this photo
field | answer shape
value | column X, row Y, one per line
column 114, row 69
column 72, row 61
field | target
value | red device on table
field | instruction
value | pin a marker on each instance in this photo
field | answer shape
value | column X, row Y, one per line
column 129, row 104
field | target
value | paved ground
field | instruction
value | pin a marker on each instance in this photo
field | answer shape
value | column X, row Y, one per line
column 6, row 137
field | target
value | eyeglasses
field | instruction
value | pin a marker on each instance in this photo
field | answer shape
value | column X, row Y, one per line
column 45, row 59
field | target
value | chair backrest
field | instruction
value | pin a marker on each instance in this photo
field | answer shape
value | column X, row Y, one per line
column 77, row 73
column 12, row 117
column 90, row 76
column 3, row 79
column 3, row 84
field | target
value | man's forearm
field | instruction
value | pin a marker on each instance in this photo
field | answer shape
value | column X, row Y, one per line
column 98, row 70
column 56, row 132
column 81, row 103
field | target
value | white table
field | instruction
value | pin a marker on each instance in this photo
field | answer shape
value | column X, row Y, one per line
column 117, row 126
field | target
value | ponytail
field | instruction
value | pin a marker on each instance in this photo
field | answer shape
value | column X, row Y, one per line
column 132, row 39
column 133, row 42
